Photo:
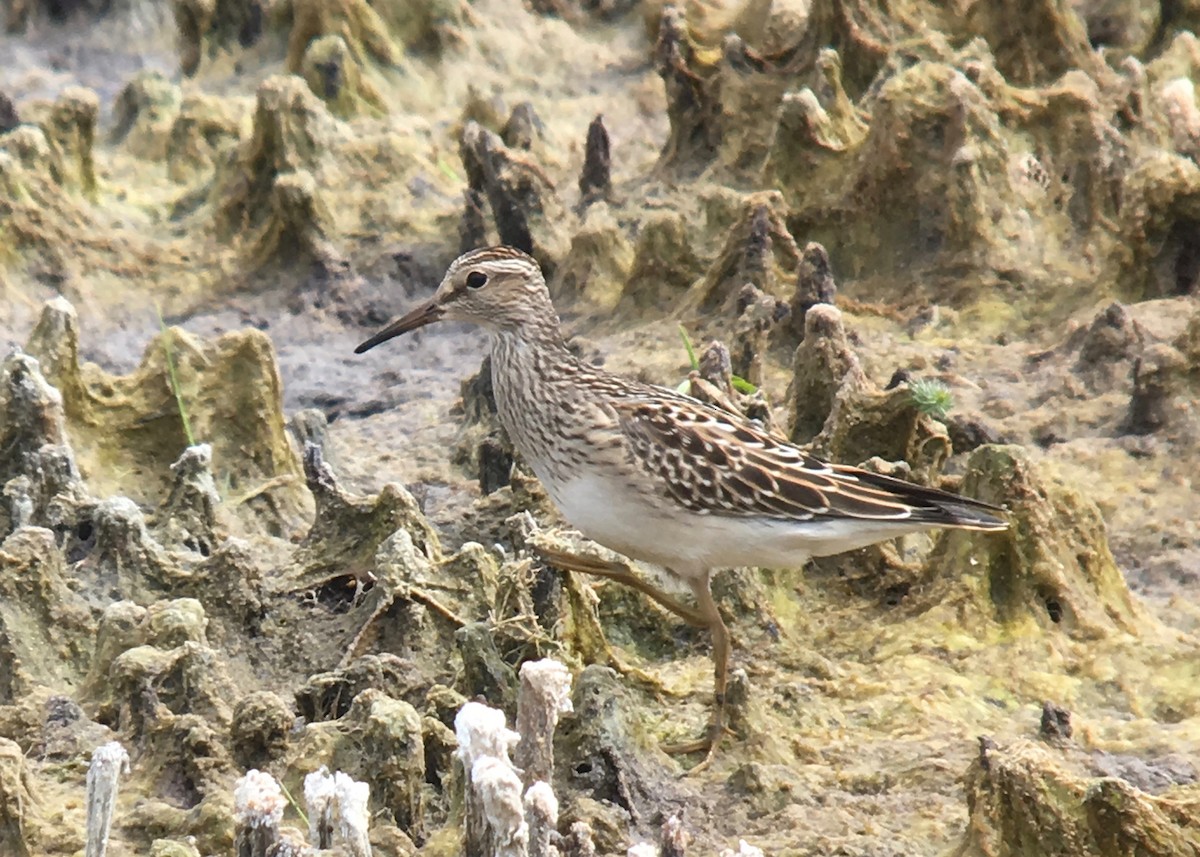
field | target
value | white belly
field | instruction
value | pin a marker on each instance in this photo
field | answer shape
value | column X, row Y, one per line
column 644, row 529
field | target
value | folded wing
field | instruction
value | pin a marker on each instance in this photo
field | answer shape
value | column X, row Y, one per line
column 713, row 462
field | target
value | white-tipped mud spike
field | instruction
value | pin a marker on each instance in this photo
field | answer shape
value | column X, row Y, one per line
column 541, row 813
column 108, row 762
column 545, row 694
column 496, row 783
column 258, row 805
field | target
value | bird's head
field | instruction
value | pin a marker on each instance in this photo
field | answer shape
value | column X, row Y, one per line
column 498, row 288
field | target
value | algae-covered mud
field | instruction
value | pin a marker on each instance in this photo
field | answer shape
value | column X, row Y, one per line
column 958, row 243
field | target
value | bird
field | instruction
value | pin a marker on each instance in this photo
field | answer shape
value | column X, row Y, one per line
column 661, row 477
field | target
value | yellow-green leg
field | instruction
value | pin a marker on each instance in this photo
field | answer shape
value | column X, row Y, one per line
column 622, row 574
column 715, row 731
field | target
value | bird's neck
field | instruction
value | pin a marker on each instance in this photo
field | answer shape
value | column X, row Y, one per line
column 522, row 343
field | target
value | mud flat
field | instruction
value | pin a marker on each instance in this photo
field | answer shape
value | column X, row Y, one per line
column 954, row 244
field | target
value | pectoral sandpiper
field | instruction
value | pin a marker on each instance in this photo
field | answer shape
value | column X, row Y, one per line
column 661, row 477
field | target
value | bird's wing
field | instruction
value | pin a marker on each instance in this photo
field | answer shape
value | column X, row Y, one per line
column 713, row 462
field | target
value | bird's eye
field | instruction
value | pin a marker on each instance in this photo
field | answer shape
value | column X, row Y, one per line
column 476, row 280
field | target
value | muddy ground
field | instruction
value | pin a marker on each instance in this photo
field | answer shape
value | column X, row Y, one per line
column 204, row 207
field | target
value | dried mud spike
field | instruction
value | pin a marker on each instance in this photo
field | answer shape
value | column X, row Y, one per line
column 518, row 191
column 674, row 837
column 335, row 76
column 8, row 114
column 824, row 363
column 71, row 132
column 595, row 182
column 1056, row 723
column 759, row 237
column 495, row 464
column 204, row 128
column 393, row 763
column 55, row 490
column 338, row 813
column 1157, row 379
column 46, row 628
column 601, row 750
column 541, row 813
column 17, row 510
column 716, row 367
column 17, row 804
column 121, row 628
column 127, row 561
column 317, row 474
column 1137, row 85
column 55, row 344
column 301, row 226
column 814, row 285
column 262, row 723
column 758, row 313
column 842, row 112
column 1113, row 337
column 485, row 672
column 545, row 695
column 192, row 19
column 109, row 761
column 209, row 26
column 365, row 33
column 741, row 57
column 866, row 423
column 579, row 841
column 484, row 741
column 479, row 153
column 327, row 695
column 1038, row 45
column 172, row 676
column 292, row 131
column 756, row 267
column 258, row 806
column 498, row 789
column 1052, row 568
column 32, row 416
column 805, row 142
column 188, row 518
column 693, row 102
column 1124, row 820
column 1022, row 793
column 350, row 533
column 310, row 425
column 144, row 112
column 1159, row 225
column 479, row 396
column 523, row 128
column 472, row 226
column 1178, row 100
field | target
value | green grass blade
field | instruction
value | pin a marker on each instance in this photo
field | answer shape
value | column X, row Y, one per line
column 742, row 385
column 687, row 343
column 173, row 377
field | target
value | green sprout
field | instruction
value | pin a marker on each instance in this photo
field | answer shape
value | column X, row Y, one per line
column 932, row 398
column 300, row 812
column 448, row 171
column 691, row 352
column 173, row 377
column 740, row 384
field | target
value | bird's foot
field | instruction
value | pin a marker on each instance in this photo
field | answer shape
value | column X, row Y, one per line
column 628, row 670
column 708, row 744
